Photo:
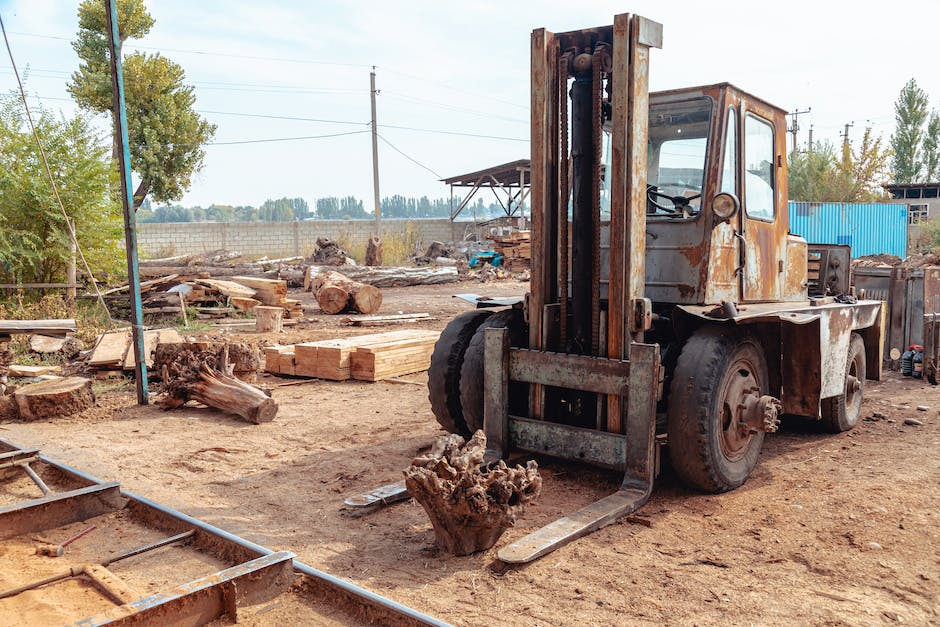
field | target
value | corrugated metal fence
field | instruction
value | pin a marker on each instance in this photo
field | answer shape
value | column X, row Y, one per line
column 869, row 228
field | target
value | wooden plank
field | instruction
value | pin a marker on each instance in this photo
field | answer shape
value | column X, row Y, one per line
column 42, row 327
column 228, row 288
column 111, row 348
column 151, row 339
column 15, row 370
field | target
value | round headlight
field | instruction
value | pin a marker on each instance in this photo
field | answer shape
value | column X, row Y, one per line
column 725, row 205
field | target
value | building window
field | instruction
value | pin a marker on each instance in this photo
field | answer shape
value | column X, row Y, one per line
column 918, row 213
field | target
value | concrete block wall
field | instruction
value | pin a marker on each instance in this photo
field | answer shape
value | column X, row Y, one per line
column 279, row 239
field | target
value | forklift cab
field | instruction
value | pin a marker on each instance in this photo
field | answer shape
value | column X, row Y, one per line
column 716, row 214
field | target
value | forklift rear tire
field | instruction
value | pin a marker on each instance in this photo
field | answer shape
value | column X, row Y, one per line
column 444, row 372
column 709, row 449
column 471, row 373
column 841, row 413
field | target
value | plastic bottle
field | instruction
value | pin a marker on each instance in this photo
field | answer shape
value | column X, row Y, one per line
column 907, row 361
column 918, row 364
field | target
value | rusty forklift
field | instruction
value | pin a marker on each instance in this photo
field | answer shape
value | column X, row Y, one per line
column 669, row 304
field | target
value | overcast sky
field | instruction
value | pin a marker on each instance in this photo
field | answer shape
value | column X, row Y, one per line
column 454, row 77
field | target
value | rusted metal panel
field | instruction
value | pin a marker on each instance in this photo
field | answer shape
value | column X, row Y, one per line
column 58, row 509
column 722, row 282
column 606, row 450
column 210, row 598
column 581, row 372
column 764, row 242
column 800, row 363
column 496, row 392
column 795, row 271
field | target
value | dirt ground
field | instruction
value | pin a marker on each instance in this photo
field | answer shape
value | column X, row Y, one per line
column 830, row 529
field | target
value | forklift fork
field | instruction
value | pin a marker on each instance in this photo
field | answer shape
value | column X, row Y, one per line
column 633, row 452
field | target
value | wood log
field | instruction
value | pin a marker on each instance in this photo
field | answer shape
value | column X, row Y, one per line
column 196, row 374
column 470, row 505
column 58, row 397
column 374, row 251
column 391, row 276
column 244, row 304
column 206, row 271
column 336, row 293
column 268, row 319
column 293, row 274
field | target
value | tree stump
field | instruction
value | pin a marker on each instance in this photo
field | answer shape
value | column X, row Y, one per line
column 194, row 373
column 245, row 360
column 374, row 251
column 335, row 294
column 58, row 397
column 268, row 319
column 470, row 505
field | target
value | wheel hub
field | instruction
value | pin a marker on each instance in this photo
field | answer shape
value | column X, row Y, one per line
column 745, row 411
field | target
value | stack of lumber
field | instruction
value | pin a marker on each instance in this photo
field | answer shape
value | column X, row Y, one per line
column 367, row 357
column 114, row 350
column 516, row 249
column 387, row 276
column 272, row 293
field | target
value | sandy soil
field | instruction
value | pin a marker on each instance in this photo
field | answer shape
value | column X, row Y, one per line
column 830, row 529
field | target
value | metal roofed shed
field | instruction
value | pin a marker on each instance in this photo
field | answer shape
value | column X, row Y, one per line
column 512, row 179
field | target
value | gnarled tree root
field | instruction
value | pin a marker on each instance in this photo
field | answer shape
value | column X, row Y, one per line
column 470, row 503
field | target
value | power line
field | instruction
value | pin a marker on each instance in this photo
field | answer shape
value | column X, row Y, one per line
column 208, row 53
column 284, row 139
column 412, row 159
column 442, row 132
column 441, row 105
column 284, row 117
column 304, row 61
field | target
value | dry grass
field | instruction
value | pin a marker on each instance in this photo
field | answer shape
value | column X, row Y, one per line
column 398, row 247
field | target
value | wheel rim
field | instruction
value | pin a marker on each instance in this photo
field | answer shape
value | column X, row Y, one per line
column 739, row 383
column 853, row 391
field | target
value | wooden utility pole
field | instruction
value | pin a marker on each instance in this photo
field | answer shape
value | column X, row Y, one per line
column 795, row 125
column 127, row 200
column 375, row 158
column 71, row 274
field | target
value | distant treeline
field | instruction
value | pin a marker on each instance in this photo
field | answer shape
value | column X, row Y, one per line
column 331, row 208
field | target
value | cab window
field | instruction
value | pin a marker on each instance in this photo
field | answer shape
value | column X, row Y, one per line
column 729, row 167
column 759, row 183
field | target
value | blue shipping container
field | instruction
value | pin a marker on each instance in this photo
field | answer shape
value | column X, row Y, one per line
column 869, row 228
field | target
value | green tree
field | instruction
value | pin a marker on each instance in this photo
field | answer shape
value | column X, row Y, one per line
column 165, row 134
column 910, row 114
column 932, row 149
column 854, row 175
column 35, row 243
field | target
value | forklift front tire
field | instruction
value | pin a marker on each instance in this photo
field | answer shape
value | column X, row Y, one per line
column 444, row 372
column 711, row 445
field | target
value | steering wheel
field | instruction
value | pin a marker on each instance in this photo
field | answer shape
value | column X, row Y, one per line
column 678, row 202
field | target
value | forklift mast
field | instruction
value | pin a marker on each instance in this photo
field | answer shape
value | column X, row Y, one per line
column 606, row 70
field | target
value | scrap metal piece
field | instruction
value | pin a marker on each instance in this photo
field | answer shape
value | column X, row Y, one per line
column 384, row 495
column 59, row 509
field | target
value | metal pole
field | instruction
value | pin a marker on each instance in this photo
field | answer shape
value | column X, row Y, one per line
column 127, row 201
column 375, row 157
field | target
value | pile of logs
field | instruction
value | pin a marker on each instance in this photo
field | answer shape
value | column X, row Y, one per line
column 336, row 293
column 470, row 503
column 390, row 276
column 328, row 253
